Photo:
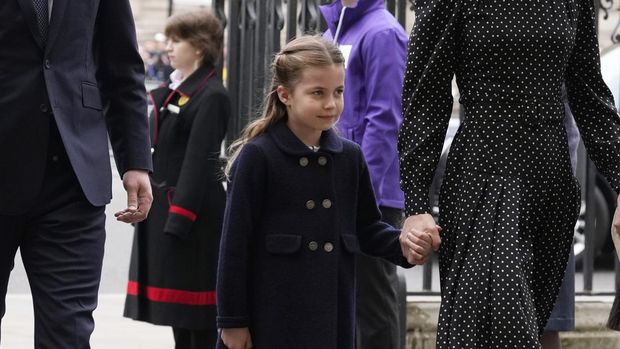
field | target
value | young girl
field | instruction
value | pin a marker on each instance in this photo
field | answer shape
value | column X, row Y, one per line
column 300, row 206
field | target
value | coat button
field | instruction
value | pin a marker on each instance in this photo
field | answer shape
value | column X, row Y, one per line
column 327, row 203
column 313, row 245
column 47, row 64
column 44, row 108
column 322, row 160
column 303, row 161
column 328, row 247
column 310, row 204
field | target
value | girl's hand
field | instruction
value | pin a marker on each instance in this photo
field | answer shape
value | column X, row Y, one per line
column 419, row 236
column 237, row 338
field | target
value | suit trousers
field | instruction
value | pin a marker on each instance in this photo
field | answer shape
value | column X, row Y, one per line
column 61, row 240
column 378, row 325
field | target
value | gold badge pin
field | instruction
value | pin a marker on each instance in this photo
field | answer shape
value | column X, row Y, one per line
column 183, row 100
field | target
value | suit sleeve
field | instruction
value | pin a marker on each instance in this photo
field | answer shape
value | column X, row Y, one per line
column 384, row 77
column 377, row 238
column 590, row 100
column 200, row 164
column 246, row 194
column 426, row 99
column 120, row 75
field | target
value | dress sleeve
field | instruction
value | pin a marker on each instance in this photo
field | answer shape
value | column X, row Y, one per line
column 426, row 99
column 590, row 100
column 241, row 217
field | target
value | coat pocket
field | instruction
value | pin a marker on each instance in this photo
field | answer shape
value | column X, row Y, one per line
column 282, row 243
column 350, row 243
column 91, row 97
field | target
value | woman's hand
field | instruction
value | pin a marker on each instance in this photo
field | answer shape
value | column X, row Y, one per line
column 419, row 237
column 237, row 338
column 616, row 220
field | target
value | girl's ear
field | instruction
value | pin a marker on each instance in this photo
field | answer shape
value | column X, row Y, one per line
column 283, row 94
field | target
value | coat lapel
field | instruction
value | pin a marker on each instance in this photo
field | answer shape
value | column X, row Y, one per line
column 58, row 11
column 31, row 18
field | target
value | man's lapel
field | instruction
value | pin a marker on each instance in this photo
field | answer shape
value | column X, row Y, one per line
column 31, row 17
column 58, row 11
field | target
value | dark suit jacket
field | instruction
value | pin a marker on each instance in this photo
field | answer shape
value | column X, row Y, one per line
column 89, row 76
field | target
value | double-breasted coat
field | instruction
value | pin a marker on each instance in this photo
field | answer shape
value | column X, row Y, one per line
column 174, row 257
column 294, row 221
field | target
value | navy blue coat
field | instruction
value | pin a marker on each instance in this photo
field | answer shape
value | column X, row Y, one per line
column 293, row 223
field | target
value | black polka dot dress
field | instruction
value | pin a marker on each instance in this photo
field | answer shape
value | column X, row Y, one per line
column 509, row 200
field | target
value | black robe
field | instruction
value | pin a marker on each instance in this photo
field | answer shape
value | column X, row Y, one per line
column 174, row 257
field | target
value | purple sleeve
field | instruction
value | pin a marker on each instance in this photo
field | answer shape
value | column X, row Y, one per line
column 384, row 55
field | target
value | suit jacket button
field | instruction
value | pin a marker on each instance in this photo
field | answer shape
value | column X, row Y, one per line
column 303, row 161
column 44, row 108
column 322, row 160
column 327, row 203
column 310, row 204
column 328, row 247
column 47, row 64
column 152, row 150
column 313, row 245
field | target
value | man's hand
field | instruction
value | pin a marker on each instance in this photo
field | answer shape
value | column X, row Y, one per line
column 237, row 338
column 139, row 197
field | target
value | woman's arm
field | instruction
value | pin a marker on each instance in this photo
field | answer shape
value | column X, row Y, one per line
column 426, row 99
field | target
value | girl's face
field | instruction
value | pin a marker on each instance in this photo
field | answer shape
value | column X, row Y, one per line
column 315, row 102
column 183, row 56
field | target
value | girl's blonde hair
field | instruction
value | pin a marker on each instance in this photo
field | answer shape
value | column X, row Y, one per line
column 286, row 70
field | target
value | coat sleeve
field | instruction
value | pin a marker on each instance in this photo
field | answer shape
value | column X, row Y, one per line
column 426, row 99
column 241, row 217
column 590, row 100
column 120, row 76
column 383, row 77
column 376, row 237
column 201, row 164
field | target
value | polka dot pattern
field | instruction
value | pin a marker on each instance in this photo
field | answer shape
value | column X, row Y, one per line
column 509, row 200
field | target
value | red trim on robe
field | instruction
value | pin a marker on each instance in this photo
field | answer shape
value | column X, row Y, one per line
column 183, row 212
column 168, row 295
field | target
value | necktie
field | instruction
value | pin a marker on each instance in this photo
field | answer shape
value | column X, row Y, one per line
column 42, row 11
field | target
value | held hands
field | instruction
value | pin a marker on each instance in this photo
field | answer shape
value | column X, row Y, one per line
column 616, row 220
column 139, row 197
column 615, row 229
column 419, row 237
column 237, row 338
